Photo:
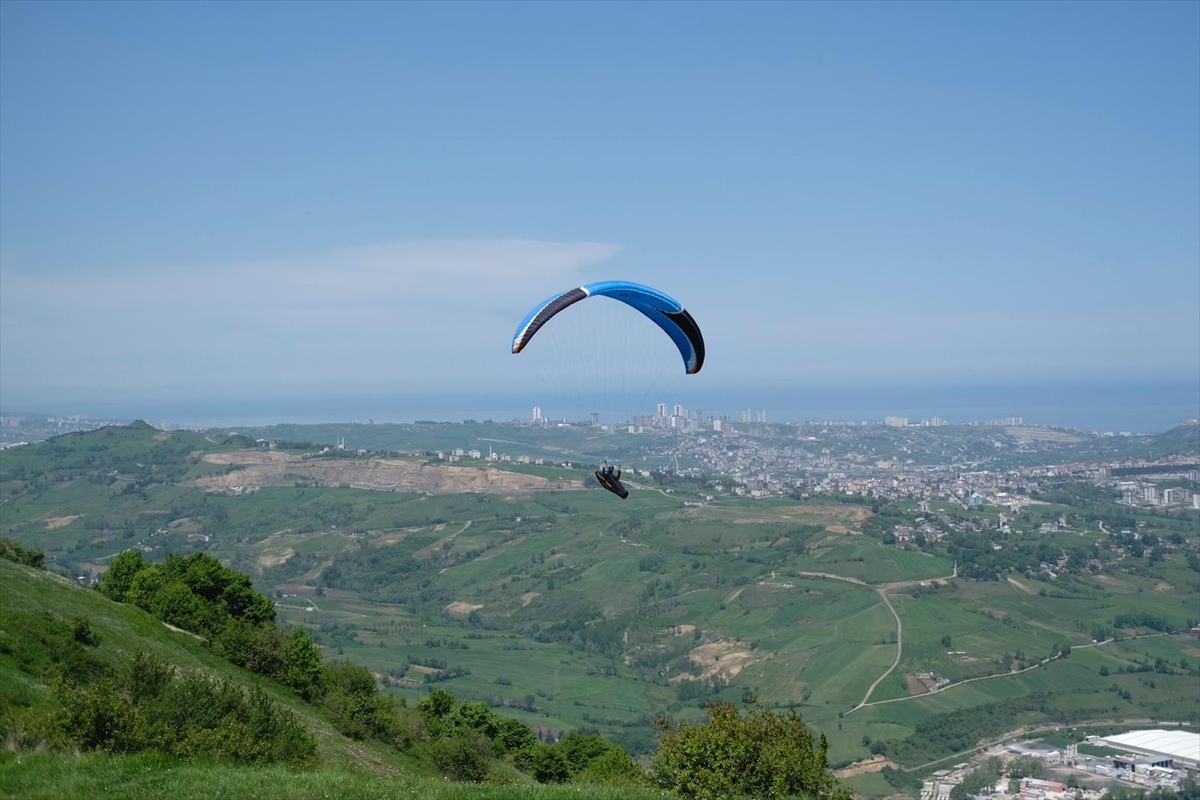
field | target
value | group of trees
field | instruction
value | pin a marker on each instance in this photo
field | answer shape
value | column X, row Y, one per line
column 195, row 593
column 733, row 752
column 148, row 705
column 139, row 704
column 466, row 735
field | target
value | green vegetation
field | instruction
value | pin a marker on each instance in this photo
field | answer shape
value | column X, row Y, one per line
column 752, row 752
column 155, row 712
column 564, row 612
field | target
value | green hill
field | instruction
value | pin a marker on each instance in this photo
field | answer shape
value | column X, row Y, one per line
column 35, row 600
column 569, row 612
column 1181, row 440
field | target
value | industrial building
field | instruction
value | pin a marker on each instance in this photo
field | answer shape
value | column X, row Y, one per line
column 1154, row 748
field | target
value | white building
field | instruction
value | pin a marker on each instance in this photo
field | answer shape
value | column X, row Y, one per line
column 1157, row 746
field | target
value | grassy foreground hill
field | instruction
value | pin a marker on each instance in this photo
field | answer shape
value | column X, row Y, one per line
column 341, row 768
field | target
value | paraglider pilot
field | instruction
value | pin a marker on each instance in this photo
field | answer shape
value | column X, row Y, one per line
column 611, row 480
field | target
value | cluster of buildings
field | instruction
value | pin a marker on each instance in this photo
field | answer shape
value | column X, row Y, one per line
column 1146, row 759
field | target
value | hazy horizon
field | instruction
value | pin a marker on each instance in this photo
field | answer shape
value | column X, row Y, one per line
column 1137, row 408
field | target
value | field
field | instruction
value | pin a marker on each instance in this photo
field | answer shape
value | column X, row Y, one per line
column 571, row 610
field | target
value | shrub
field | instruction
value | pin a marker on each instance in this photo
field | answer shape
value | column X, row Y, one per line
column 758, row 752
column 14, row 552
column 462, row 758
column 549, row 765
column 613, row 767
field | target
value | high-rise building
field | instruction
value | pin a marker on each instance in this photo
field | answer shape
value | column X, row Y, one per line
column 679, row 411
column 762, row 415
column 662, row 410
column 746, row 415
column 595, row 417
column 537, row 413
column 896, row 422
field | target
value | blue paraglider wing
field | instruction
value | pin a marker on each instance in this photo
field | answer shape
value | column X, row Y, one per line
column 662, row 309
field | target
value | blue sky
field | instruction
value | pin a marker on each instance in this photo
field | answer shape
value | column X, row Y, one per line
column 234, row 200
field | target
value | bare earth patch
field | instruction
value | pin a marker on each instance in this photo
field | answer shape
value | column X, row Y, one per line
column 872, row 764
column 423, row 669
column 681, row 630
column 842, row 529
column 1163, row 586
column 1022, row 587
column 54, row 523
column 266, row 561
column 725, row 658
column 1042, row 435
column 852, row 513
column 527, row 598
column 734, row 594
column 298, row 589
column 275, row 468
column 464, row 609
column 914, row 684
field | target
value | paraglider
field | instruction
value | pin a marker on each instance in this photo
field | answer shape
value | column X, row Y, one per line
column 660, row 308
column 611, row 480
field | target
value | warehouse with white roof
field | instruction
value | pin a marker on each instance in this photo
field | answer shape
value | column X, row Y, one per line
column 1180, row 747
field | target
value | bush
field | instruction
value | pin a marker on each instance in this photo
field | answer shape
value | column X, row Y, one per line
column 580, row 749
column 758, row 752
column 613, row 767
column 463, row 758
column 14, row 552
column 549, row 765
column 149, row 706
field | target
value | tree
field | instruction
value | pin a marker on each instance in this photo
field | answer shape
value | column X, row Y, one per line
column 550, row 765
column 614, row 767
column 513, row 736
column 756, row 751
column 121, row 572
column 302, row 667
column 433, row 708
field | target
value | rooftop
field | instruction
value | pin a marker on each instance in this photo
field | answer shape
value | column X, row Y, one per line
column 1183, row 745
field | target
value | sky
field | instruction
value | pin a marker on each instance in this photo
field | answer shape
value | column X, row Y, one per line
column 238, row 201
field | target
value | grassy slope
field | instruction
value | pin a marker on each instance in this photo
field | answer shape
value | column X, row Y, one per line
column 346, row 768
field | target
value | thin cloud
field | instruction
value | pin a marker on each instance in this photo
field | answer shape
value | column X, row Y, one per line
column 418, row 309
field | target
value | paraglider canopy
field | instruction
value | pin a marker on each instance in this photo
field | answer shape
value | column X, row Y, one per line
column 662, row 309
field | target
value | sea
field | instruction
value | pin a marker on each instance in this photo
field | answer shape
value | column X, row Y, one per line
column 1135, row 408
